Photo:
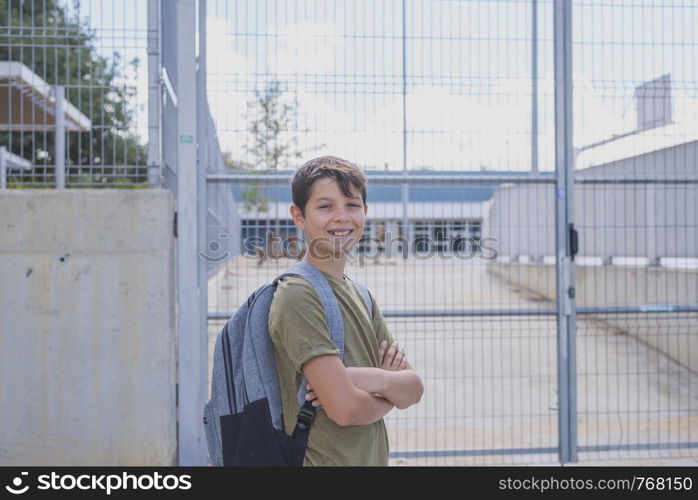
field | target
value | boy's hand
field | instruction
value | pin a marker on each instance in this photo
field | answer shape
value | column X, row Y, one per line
column 312, row 397
column 394, row 359
column 390, row 358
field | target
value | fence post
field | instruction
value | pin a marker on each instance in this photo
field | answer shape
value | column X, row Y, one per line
column 651, row 217
column 534, row 86
column 192, row 341
column 564, row 217
column 154, row 96
column 405, row 198
column 203, row 147
column 3, row 168
column 59, row 94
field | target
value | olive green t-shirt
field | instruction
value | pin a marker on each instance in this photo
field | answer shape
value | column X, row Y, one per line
column 299, row 332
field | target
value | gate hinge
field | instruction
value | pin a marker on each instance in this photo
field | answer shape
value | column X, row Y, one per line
column 174, row 228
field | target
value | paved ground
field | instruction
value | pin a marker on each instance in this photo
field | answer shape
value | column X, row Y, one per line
column 491, row 383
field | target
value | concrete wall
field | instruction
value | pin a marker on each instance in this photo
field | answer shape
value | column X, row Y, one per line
column 674, row 334
column 87, row 337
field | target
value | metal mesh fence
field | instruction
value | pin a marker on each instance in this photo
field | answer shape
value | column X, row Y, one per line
column 473, row 337
column 636, row 394
column 636, row 155
column 445, row 90
column 449, row 108
column 73, row 93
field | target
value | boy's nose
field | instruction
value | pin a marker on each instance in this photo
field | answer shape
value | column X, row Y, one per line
column 341, row 215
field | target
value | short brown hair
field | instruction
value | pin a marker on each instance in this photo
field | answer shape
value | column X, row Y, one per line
column 343, row 171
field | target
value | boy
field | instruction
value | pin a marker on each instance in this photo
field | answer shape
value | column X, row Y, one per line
column 329, row 206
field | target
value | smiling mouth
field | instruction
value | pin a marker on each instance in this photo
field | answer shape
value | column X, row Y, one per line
column 341, row 233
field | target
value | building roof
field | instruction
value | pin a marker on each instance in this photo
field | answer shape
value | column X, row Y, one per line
column 637, row 144
column 663, row 122
column 28, row 103
column 392, row 191
column 11, row 160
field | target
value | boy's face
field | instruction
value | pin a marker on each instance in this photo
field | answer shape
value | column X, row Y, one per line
column 333, row 223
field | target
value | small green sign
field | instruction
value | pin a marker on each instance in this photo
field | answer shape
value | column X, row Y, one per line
column 186, row 139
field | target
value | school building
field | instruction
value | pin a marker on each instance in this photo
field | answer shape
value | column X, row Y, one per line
column 439, row 216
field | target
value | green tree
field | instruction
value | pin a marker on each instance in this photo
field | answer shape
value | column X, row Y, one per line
column 272, row 143
column 60, row 49
column 251, row 195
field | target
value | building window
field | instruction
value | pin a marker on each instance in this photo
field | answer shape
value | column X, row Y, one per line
column 260, row 233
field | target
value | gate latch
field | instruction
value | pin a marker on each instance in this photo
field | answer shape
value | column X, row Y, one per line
column 574, row 241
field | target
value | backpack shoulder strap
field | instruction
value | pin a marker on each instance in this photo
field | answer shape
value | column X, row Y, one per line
column 335, row 321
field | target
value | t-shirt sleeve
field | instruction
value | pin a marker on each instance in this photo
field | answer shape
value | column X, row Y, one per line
column 379, row 325
column 297, row 323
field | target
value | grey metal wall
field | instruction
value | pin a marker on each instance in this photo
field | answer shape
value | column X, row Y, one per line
column 651, row 218
column 222, row 220
column 520, row 219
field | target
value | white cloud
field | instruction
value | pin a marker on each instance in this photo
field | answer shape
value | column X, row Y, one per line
column 306, row 48
column 221, row 57
column 483, row 127
column 227, row 100
column 452, row 131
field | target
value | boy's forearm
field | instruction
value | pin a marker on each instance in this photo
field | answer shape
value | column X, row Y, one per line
column 402, row 388
column 367, row 379
column 371, row 409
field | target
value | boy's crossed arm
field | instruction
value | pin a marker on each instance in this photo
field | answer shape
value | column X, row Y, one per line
column 394, row 379
column 344, row 403
column 363, row 395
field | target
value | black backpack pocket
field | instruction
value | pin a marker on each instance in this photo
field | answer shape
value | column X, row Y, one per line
column 250, row 439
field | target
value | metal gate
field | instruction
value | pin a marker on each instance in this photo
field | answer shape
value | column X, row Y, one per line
column 635, row 209
column 488, row 239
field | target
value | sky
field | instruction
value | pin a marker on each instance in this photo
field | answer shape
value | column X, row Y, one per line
column 468, row 73
column 468, row 102
column 121, row 27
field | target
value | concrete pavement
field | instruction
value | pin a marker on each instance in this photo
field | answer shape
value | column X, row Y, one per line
column 491, row 382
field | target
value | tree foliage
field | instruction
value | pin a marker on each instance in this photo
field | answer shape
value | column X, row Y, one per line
column 61, row 50
column 272, row 143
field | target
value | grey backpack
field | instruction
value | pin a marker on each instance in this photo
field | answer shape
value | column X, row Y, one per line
column 243, row 419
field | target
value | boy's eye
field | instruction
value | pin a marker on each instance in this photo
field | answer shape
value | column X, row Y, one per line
column 356, row 205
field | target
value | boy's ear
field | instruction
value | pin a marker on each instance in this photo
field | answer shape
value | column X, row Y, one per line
column 297, row 217
column 365, row 209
